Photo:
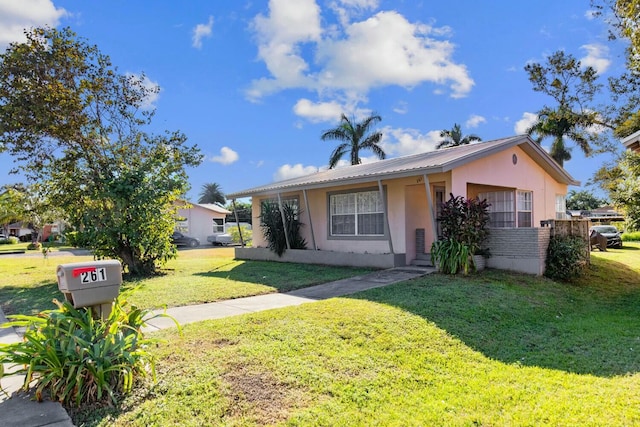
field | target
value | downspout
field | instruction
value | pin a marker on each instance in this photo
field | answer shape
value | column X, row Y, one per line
column 306, row 203
column 235, row 213
column 386, row 216
column 434, row 227
column 284, row 221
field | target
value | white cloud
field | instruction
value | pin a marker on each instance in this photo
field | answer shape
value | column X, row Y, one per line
column 293, row 171
column 16, row 16
column 153, row 89
column 474, row 121
column 201, row 31
column 403, row 142
column 226, row 157
column 348, row 61
column 346, row 9
column 318, row 112
column 401, row 108
column 597, row 57
column 279, row 37
column 527, row 120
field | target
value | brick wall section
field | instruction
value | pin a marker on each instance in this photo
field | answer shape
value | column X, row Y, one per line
column 519, row 242
column 519, row 249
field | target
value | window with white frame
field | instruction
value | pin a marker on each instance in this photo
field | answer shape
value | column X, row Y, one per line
column 509, row 208
column 356, row 214
column 525, row 208
column 218, row 225
column 501, row 208
column 561, row 206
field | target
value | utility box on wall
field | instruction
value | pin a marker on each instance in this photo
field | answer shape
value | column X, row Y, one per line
column 93, row 284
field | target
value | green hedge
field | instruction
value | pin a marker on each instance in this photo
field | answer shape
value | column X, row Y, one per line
column 631, row 237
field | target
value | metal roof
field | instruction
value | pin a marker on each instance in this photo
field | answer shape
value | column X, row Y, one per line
column 430, row 162
column 213, row 207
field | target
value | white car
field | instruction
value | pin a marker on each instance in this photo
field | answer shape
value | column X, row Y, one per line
column 222, row 239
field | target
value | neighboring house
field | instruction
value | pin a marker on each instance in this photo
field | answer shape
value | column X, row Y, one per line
column 604, row 214
column 632, row 142
column 384, row 213
column 18, row 229
column 53, row 229
column 201, row 220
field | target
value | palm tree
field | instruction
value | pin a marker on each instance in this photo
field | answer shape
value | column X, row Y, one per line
column 354, row 136
column 559, row 124
column 454, row 137
column 211, row 193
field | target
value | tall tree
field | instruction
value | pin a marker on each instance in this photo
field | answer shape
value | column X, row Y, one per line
column 583, row 201
column 455, row 138
column 75, row 125
column 212, row 193
column 10, row 199
column 354, row 136
column 573, row 88
column 622, row 183
column 622, row 15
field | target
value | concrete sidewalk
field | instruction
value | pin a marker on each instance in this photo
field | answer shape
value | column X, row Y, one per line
column 20, row 410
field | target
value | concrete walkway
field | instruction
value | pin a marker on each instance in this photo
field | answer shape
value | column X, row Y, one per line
column 20, row 410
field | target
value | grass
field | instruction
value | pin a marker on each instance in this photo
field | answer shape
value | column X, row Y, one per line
column 197, row 276
column 492, row 349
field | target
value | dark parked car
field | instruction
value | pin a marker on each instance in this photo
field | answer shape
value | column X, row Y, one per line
column 180, row 239
column 611, row 233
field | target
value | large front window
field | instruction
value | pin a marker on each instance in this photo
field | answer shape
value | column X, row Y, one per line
column 356, row 214
column 509, row 208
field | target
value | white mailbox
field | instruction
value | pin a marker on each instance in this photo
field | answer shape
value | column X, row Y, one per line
column 86, row 284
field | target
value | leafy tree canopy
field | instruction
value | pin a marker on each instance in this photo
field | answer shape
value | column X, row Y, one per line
column 75, row 126
column 622, row 184
column 354, row 136
column 622, row 15
column 583, row 200
column 573, row 87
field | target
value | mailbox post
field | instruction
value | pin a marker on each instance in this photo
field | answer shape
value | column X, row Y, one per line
column 91, row 284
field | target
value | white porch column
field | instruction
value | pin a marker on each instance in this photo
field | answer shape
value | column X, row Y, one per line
column 434, row 226
column 306, row 204
column 385, row 212
column 235, row 212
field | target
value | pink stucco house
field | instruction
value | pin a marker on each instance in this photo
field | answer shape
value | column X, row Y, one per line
column 200, row 220
column 384, row 213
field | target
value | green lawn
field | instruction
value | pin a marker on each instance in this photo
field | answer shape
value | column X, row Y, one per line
column 197, row 276
column 492, row 349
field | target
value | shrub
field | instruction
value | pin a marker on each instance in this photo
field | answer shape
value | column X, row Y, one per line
column 565, row 257
column 465, row 220
column 11, row 240
column 631, row 237
column 451, row 256
column 247, row 234
column 274, row 230
column 34, row 246
column 77, row 239
column 76, row 359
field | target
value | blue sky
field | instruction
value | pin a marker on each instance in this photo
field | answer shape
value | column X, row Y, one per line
column 254, row 83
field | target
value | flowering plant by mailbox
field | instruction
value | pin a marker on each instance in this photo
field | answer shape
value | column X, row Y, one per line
column 86, row 284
